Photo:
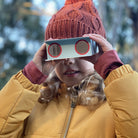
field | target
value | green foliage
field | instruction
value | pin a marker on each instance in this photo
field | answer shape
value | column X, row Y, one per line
column 27, row 26
column 121, row 25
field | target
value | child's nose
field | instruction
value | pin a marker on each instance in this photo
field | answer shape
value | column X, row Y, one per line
column 68, row 61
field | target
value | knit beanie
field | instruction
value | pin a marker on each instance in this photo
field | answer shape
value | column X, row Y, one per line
column 74, row 19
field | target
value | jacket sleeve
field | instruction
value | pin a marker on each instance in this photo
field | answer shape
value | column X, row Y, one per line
column 122, row 95
column 17, row 99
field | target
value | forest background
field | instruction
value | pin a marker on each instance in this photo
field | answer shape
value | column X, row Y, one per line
column 23, row 22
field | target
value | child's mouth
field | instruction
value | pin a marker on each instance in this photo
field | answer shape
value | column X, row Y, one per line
column 71, row 73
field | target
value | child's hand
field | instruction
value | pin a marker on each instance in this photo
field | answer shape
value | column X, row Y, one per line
column 40, row 56
column 40, row 61
column 103, row 44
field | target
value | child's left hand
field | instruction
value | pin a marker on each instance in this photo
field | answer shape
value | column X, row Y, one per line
column 103, row 44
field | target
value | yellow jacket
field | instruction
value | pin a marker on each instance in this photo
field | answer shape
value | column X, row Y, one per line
column 22, row 116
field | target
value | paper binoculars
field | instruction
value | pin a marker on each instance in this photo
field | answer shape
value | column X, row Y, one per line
column 70, row 48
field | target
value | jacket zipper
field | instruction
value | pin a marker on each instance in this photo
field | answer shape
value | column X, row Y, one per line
column 74, row 100
column 73, row 105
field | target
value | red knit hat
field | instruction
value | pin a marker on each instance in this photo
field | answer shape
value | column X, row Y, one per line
column 75, row 18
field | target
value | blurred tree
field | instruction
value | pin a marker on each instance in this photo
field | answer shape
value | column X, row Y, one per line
column 133, row 14
column 17, row 29
column 120, row 19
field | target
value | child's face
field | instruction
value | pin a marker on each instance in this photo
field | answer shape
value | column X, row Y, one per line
column 71, row 71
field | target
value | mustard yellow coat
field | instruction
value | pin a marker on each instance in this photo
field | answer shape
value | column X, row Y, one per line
column 21, row 116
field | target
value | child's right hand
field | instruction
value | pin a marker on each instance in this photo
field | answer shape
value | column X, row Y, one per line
column 40, row 56
column 40, row 61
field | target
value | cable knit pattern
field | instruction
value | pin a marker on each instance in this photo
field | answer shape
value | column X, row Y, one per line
column 76, row 18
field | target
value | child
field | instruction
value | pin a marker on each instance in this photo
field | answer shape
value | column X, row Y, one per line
column 72, row 102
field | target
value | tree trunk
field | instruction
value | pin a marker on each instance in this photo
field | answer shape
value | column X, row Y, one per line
column 134, row 17
column 135, row 51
